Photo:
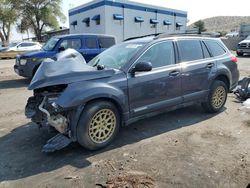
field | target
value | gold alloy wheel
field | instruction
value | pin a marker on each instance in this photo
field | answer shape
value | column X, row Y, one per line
column 219, row 97
column 102, row 126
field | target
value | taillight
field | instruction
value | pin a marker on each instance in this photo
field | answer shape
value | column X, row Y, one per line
column 234, row 59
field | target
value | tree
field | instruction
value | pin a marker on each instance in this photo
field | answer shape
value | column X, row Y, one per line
column 39, row 14
column 200, row 25
column 8, row 16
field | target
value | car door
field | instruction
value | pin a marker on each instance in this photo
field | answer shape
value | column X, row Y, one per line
column 91, row 48
column 22, row 47
column 158, row 88
column 197, row 66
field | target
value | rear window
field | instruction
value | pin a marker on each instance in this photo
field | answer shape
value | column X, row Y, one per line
column 215, row 48
column 106, row 42
column 90, row 43
column 190, row 50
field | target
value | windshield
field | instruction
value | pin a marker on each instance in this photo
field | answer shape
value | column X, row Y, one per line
column 50, row 44
column 116, row 56
column 248, row 38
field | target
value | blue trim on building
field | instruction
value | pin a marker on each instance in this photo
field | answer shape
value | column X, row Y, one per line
column 166, row 22
column 154, row 21
column 125, row 5
column 178, row 24
column 86, row 20
column 139, row 19
column 96, row 17
column 74, row 23
column 118, row 17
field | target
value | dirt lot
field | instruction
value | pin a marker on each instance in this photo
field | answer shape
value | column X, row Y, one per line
column 184, row 148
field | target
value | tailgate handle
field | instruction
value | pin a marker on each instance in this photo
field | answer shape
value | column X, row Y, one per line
column 210, row 65
column 174, row 73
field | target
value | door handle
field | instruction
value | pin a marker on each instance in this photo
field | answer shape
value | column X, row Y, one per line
column 174, row 73
column 210, row 65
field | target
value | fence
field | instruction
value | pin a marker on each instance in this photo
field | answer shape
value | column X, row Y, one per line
column 232, row 43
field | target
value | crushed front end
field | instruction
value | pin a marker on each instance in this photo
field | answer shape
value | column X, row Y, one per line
column 42, row 110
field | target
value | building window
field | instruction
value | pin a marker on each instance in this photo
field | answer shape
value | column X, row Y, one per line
column 167, row 23
column 86, row 21
column 153, row 23
column 97, row 19
column 74, row 24
column 178, row 26
column 139, row 19
column 118, row 17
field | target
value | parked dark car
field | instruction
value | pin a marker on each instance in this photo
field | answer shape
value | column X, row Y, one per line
column 89, row 45
column 130, row 81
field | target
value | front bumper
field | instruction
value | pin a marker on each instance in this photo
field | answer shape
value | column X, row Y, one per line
column 20, row 70
column 243, row 50
column 23, row 70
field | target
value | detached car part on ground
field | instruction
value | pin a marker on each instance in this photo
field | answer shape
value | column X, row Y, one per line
column 133, row 80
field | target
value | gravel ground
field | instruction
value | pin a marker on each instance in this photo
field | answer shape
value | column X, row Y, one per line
column 183, row 148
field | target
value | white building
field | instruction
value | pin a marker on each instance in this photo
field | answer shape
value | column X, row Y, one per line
column 125, row 19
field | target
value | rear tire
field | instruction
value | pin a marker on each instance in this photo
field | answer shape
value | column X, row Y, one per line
column 217, row 97
column 98, row 125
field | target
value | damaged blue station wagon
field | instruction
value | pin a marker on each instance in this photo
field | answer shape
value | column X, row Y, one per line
column 138, row 78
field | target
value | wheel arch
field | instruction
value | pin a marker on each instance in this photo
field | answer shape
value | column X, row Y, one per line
column 78, row 112
column 108, row 99
column 223, row 78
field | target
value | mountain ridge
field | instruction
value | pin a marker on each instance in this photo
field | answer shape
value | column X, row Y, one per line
column 224, row 23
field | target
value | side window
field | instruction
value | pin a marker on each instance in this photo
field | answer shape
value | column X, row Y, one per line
column 205, row 50
column 215, row 48
column 190, row 50
column 90, row 43
column 71, row 43
column 160, row 55
column 106, row 42
column 24, row 45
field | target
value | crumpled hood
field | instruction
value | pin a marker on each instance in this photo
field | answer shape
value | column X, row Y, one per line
column 65, row 72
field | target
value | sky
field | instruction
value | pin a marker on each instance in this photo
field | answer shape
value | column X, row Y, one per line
column 197, row 9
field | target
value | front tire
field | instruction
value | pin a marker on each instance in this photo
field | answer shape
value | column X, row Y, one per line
column 98, row 125
column 217, row 97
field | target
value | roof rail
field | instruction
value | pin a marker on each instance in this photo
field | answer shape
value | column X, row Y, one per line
column 150, row 35
column 165, row 35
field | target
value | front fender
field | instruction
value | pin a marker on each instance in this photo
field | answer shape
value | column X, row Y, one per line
column 81, row 92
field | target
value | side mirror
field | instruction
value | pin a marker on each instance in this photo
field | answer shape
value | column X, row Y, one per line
column 142, row 67
column 61, row 48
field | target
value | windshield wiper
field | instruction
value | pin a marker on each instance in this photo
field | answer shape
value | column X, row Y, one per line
column 96, row 63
